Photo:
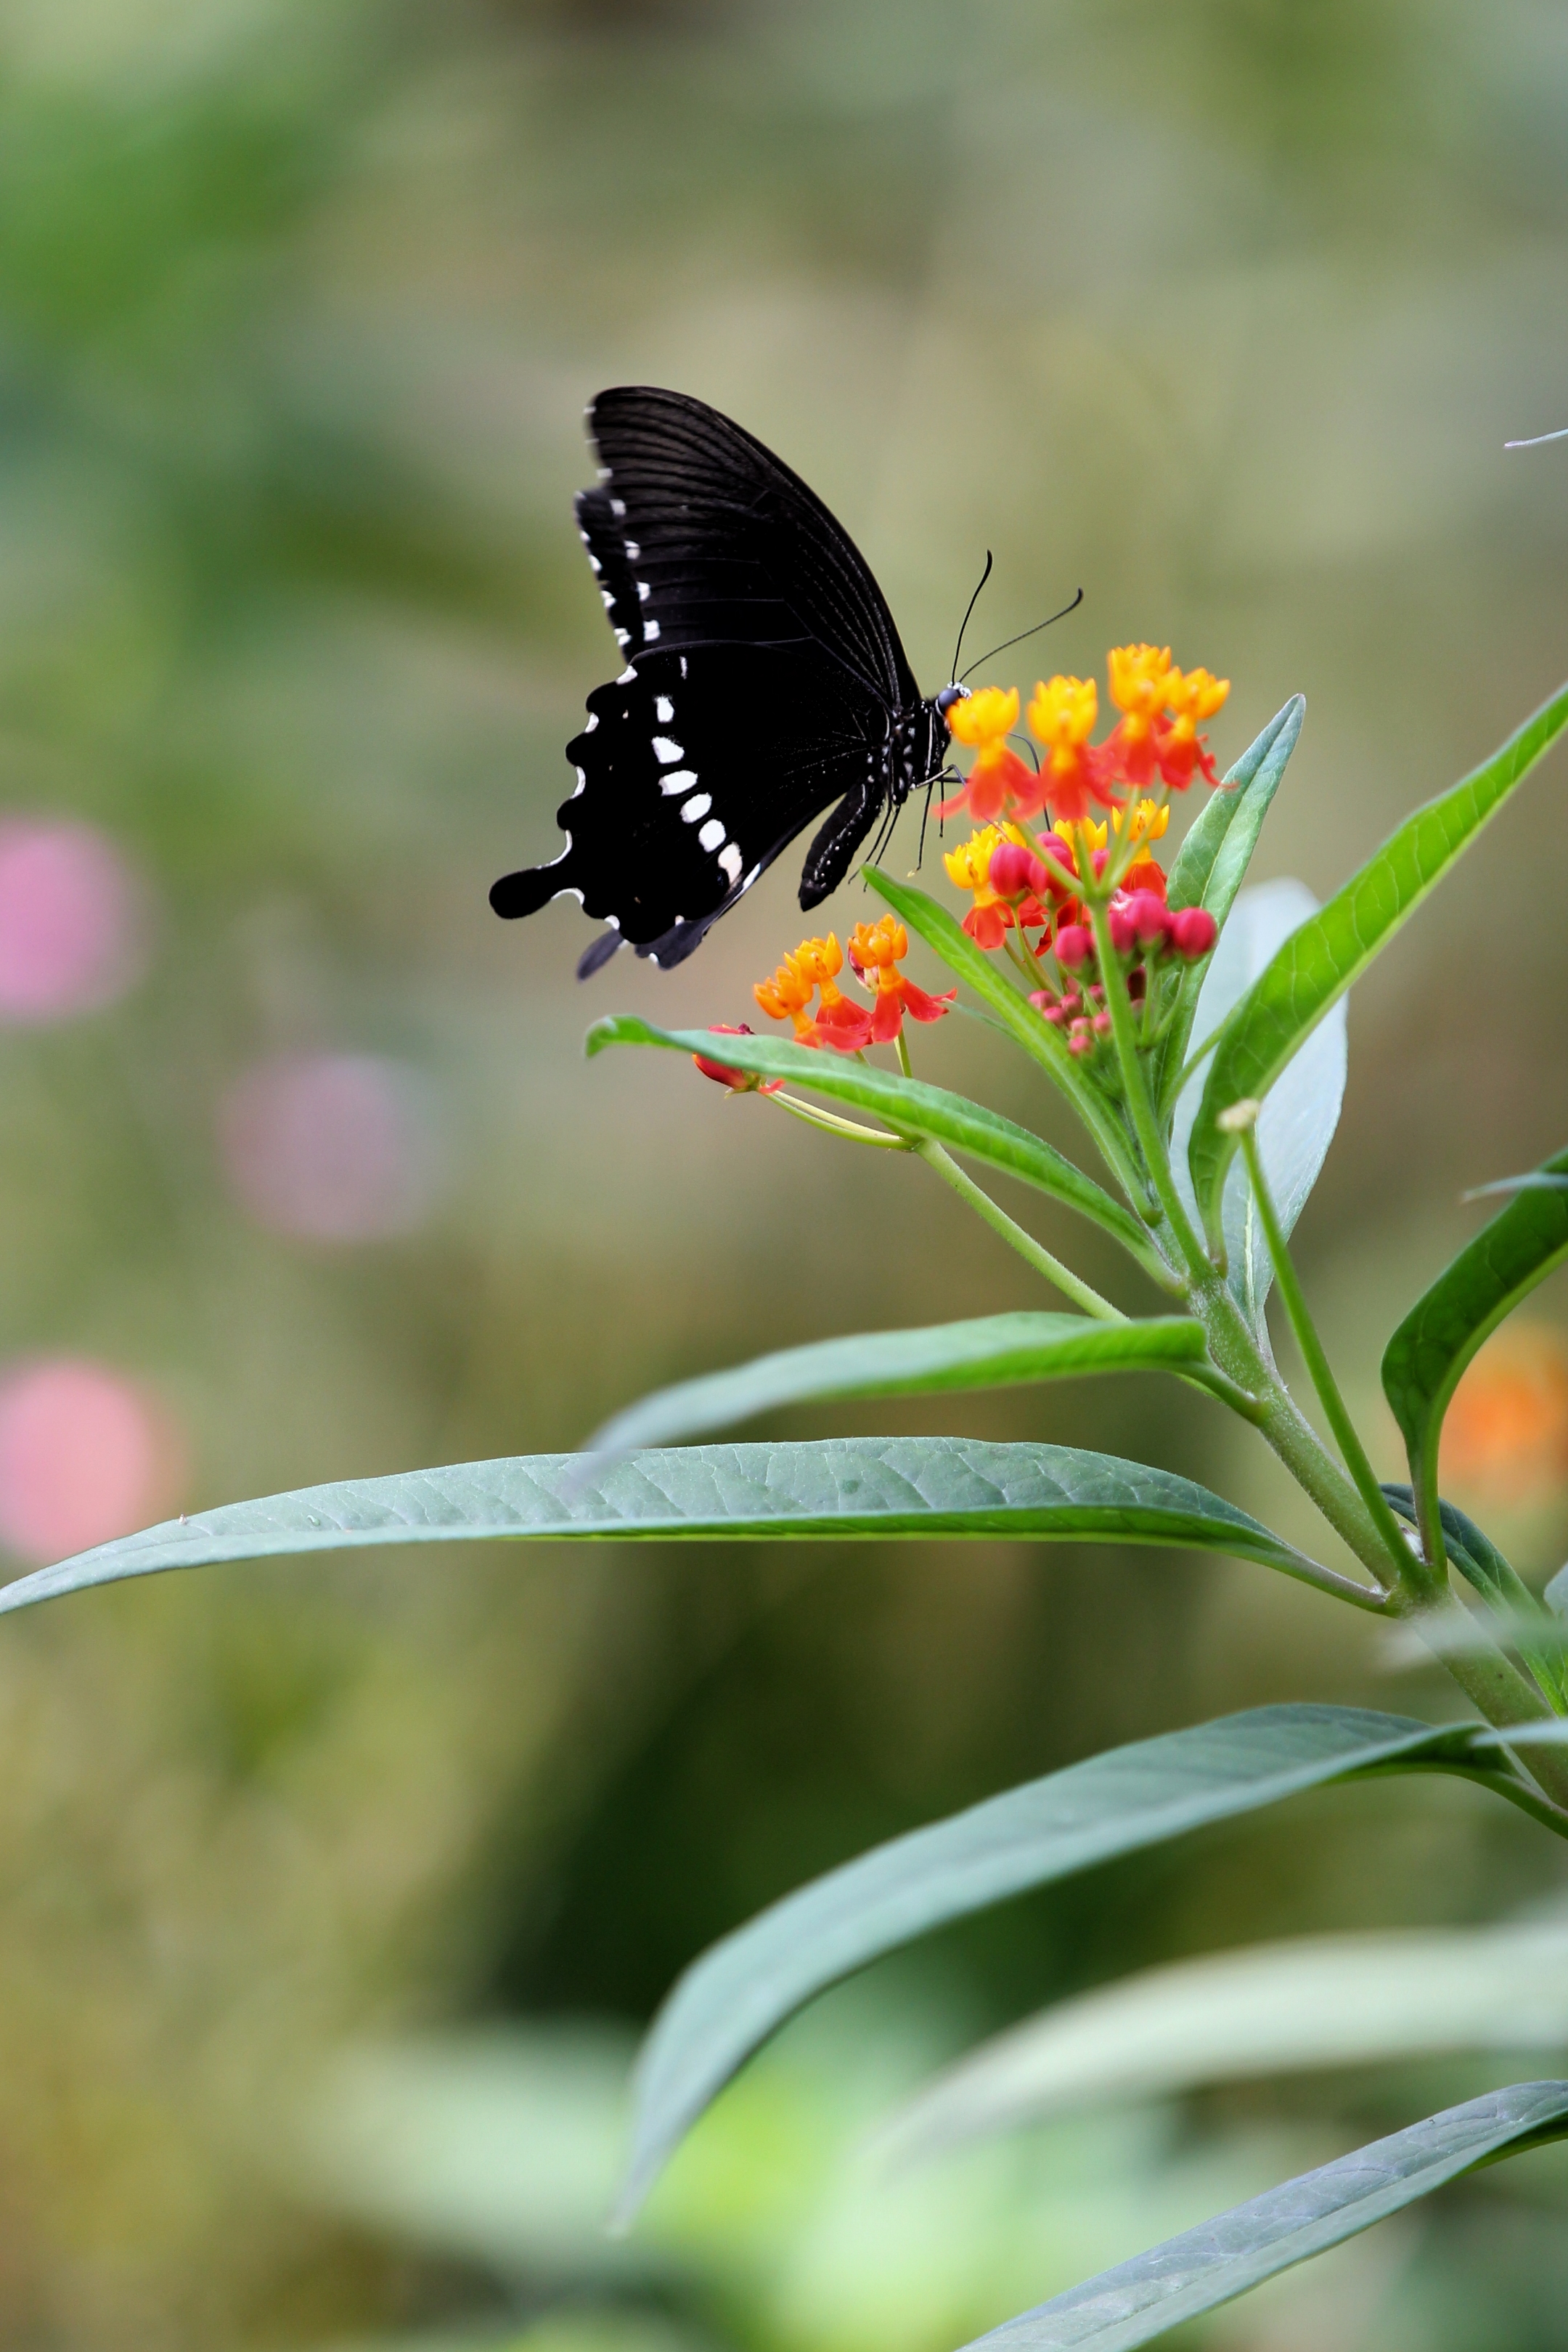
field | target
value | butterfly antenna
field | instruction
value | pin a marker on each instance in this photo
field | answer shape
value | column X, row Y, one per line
column 969, row 614
column 1022, row 633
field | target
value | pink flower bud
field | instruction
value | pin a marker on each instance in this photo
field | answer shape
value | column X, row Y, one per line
column 1015, row 869
column 1060, row 867
column 1138, row 920
column 1074, row 947
column 1193, row 933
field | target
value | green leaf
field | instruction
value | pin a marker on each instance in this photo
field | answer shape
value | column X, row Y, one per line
column 942, row 932
column 908, row 1106
column 1534, row 1181
column 742, row 1989
column 1494, row 1577
column 1274, row 2009
column 1223, row 2258
column 993, row 1351
column 1240, row 2250
column 1427, row 1355
column 866, row 1489
column 1211, row 864
column 1299, row 1119
column 1315, row 967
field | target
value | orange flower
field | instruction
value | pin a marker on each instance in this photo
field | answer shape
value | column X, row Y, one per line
column 875, row 951
column 1140, row 679
column 1063, row 715
column 787, row 997
column 969, row 866
column 1507, row 1429
column 1000, row 782
column 1190, row 696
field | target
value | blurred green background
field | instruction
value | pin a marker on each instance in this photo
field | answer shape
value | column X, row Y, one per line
column 333, row 1894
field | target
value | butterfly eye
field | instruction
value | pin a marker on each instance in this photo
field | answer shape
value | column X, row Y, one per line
column 949, row 696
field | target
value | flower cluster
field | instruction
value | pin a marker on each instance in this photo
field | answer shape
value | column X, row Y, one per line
column 1043, row 875
column 1155, row 742
column 876, row 950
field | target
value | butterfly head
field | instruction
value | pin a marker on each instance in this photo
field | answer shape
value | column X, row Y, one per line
column 949, row 696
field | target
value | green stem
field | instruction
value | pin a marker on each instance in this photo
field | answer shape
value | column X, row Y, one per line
column 1315, row 1357
column 834, row 1125
column 1145, row 1126
column 1072, row 1285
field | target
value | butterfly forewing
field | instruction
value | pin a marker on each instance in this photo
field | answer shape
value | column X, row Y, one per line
column 764, row 681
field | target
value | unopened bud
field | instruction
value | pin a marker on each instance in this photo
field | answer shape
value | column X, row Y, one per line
column 739, row 1082
column 1193, row 933
column 1074, row 947
column 1015, row 869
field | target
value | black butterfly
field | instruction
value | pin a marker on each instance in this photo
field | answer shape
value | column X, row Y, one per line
column 764, row 681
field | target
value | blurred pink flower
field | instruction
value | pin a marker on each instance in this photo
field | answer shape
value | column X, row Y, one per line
column 84, row 1455
column 330, row 1146
column 72, row 920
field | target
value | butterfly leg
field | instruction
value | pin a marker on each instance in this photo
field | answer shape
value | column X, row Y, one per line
column 831, row 853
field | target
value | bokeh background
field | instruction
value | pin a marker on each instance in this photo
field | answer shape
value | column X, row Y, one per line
column 334, row 1894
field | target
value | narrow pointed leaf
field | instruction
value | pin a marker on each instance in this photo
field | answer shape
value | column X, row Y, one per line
column 1301, row 1115
column 908, row 1106
column 1272, row 2009
column 1535, row 1180
column 742, row 1989
column 1211, row 865
column 942, row 932
column 993, row 1351
column 1425, row 1359
column 1223, row 2258
column 861, row 1488
column 1325, row 957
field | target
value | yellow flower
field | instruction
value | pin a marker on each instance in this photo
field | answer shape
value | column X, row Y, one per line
column 969, row 866
column 1140, row 679
column 985, row 718
column 1195, row 695
column 1149, row 822
column 1062, row 713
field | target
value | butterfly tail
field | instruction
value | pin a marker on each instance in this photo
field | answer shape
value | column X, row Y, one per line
column 533, row 887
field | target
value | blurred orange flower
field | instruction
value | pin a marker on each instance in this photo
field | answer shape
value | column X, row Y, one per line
column 1508, row 1426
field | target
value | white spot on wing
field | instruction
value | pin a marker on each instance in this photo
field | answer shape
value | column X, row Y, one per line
column 633, row 552
column 592, row 722
column 729, row 859
column 712, row 833
column 617, row 506
column 644, row 592
column 698, row 806
column 622, row 638
column 627, row 675
column 663, row 709
column 649, row 631
column 666, row 750
column 679, row 780
column 682, row 665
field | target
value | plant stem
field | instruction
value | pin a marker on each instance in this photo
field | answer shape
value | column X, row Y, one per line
column 1315, row 1357
column 834, row 1125
column 1147, row 1127
column 1063, row 1276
